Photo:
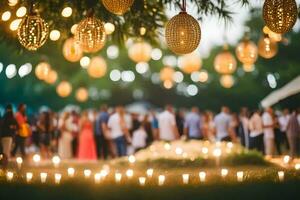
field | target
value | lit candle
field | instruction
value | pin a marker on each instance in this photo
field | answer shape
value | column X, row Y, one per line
column 36, row 159
column 142, row 181
column 43, row 176
column 240, row 176
column 217, row 154
column 230, row 145
column 205, row 152
column 56, row 161
column 118, row 177
column 71, row 172
column 19, row 161
column 224, row 173
column 57, row 178
column 161, row 180
column 185, row 178
column 97, row 178
column 167, row 146
column 29, row 176
column 9, row 176
column 297, row 166
column 286, row 159
column 281, row 175
column 104, row 173
column 87, row 173
column 129, row 173
column 202, row 176
column 131, row 159
column 178, row 151
column 149, row 172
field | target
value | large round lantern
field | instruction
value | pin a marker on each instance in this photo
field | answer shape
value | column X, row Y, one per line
column 225, row 63
column 52, row 77
column 97, row 67
column 190, row 63
column 42, row 70
column 246, row 52
column 33, row 32
column 82, row 94
column 64, row 89
column 166, row 74
column 140, row 52
column 118, row 7
column 267, row 48
column 280, row 15
column 90, row 34
column 227, row 81
column 72, row 50
column 183, row 34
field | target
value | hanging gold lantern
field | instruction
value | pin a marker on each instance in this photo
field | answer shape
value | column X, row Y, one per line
column 247, row 54
column 52, row 77
column 90, row 34
column 227, row 81
column 267, row 48
column 225, row 63
column 140, row 52
column 72, row 50
column 33, row 32
column 42, row 70
column 82, row 94
column 190, row 63
column 280, row 15
column 97, row 67
column 64, row 89
column 118, row 7
column 167, row 74
column 183, row 33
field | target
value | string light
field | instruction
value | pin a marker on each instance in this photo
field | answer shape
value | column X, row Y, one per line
column 19, row 161
column 21, row 12
column 85, row 62
column 36, row 158
column 66, row 12
column 14, row 25
column 71, row 172
column 13, row 2
column 56, row 161
column 129, row 173
column 54, row 35
column 131, row 159
column 6, row 16
column 109, row 28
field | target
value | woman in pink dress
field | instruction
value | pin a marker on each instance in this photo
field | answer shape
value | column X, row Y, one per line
column 87, row 147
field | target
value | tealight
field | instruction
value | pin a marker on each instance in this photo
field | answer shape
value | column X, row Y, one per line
column 204, row 150
column 286, row 159
column 149, row 172
column 56, row 161
column 118, row 177
column 104, row 173
column 161, row 180
column 57, row 178
column 36, row 158
column 297, row 166
column 87, row 173
column 9, row 176
column 281, row 175
column 97, row 178
column 142, row 181
column 129, row 173
column 131, row 159
column 71, row 172
column 185, row 178
column 29, row 176
column 202, row 176
column 217, row 152
column 240, row 176
column 43, row 177
column 178, row 151
column 19, row 161
column 224, row 173
column 167, row 146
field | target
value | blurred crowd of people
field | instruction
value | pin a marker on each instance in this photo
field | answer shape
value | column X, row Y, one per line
column 113, row 132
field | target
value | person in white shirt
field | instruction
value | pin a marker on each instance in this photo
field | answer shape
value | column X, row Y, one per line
column 268, row 125
column 167, row 125
column 139, row 138
column 222, row 123
column 256, row 132
column 280, row 132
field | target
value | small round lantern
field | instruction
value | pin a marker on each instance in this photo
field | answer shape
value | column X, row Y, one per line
column 64, row 89
column 97, row 67
column 82, row 94
column 52, row 77
column 267, row 48
column 246, row 52
column 42, row 70
column 225, row 63
column 118, row 7
column 190, row 63
column 166, row 74
column 140, row 52
column 72, row 50
column 227, row 81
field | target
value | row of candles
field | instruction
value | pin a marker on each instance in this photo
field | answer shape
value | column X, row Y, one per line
column 98, row 177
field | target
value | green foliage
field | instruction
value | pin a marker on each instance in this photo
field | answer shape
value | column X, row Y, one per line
column 245, row 158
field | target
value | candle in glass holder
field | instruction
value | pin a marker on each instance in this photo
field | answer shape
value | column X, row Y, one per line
column 36, row 159
column 57, row 178
column 97, row 178
column 185, row 178
column 297, row 166
column 240, row 176
column 281, row 175
column 129, row 173
column 131, row 159
column 71, row 172
column 87, row 173
column 161, row 180
column 43, row 177
column 202, row 176
column 104, row 173
column 286, row 159
column 19, row 161
column 9, row 175
column 29, row 177
column 224, row 173
column 149, row 172
column 118, row 177
column 142, row 181
column 217, row 154
column 56, row 161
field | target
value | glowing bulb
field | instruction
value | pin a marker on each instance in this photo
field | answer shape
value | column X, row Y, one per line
column 97, row 178
column 85, row 61
column 36, row 158
column 56, row 161
column 6, row 16
column 204, row 150
column 73, row 28
column 161, row 180
column 286, row 159
column 178, row 151
column 13, row 2
column 118, row 177
column 87, row 173
column 149, row 172
column 202, row 176
column 217, row 152
column 297, row 166
column 109, row 28
column 71, row 172
column 131, row 159
column 14, row 25
column 185, row 178
column 240, row 176
column 9, row 175
column 54, row 35
column 29, row 177
column 143, row 30
column 43, row 177
column 129, row 173
column 19, row 161
column 167, row 146
column 281, row 175
column 142, row 181
column 21, row 12
column 224, row 173
column 57, row 178
column 104, row 173
column 66, row 12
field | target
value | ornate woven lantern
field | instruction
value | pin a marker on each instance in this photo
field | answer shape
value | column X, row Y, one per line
column 227, row 81
column 190, row 63
column 64, row 89
column 183, row 33
column 140, row 52
column 267, row 48
column 225, row 63
column 118, row 7
column 97, row 67
column 246, row 52
column 33, row 31
column 72, row 50
column 82, row 94
column 166, row 74
column 280, row 15
column 52, row 77
column 90, row 34
column 42, row 70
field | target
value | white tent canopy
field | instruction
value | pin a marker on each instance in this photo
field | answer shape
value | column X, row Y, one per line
column 289, row 89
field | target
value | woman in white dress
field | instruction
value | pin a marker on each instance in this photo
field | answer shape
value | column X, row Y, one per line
column 66, row 137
